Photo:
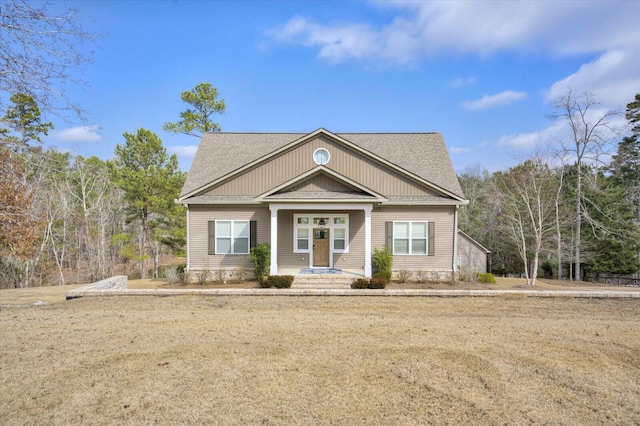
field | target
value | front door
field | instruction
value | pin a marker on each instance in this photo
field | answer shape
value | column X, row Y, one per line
column 320, row 247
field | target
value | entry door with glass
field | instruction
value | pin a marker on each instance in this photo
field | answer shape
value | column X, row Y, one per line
column 320, row 247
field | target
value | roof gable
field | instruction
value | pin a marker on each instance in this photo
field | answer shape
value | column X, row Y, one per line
column 421, row 156
column 320, row 182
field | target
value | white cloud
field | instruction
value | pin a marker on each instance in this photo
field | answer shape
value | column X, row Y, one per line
column 548, row 135
column 482, row 28
column 416, row 30
column 78, row 134
column 459, row 150
column 186, row 151
column 613, row 78
column 460, row 82
column 492, row 101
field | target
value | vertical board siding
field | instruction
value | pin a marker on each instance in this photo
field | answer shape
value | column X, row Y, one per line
column 200, row 216
column 321, row 182
column 344, row 161
column 441, row 216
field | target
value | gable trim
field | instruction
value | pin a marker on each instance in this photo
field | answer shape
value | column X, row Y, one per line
column 317, row 171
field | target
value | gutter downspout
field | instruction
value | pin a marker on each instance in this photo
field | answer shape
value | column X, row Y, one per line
column 455, row 241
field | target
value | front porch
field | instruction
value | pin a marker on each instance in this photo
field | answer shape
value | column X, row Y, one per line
column 317, row 237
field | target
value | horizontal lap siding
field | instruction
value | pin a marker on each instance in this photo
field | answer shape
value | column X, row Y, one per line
column 442, row 216
column 355, row 258
column 199, row 216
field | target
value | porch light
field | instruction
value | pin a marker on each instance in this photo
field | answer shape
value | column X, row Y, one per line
column 322, row 223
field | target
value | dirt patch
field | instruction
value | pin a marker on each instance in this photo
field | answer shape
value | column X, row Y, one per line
column 321, row 360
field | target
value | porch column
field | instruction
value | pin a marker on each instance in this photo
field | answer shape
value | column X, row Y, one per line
column 367, row 241
column 273, row 270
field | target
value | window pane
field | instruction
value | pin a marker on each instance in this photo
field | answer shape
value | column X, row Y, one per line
column 339, row 220
column 223, row 245
column 303, row 244
column 316, row 220
column 223, row 228
column 401, row 246
column 241, row 245
column 401, row 229
column 338, row 244
column 303, row 233
column 303, row 220
column 241, row 229
column 338, row 233
column 419, row 229
column 418, row 246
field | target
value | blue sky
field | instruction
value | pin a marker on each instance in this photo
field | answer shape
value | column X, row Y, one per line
column 484, row 74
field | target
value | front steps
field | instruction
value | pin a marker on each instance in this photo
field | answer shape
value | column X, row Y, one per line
column 330, row 281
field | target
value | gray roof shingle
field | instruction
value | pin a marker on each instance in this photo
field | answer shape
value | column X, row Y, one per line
column 421, row 154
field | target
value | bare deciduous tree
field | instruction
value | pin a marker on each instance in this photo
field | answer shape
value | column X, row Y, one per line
column 588, row 142
column 38, row 50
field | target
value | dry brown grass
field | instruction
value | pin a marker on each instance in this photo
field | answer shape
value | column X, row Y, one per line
column 321, row 360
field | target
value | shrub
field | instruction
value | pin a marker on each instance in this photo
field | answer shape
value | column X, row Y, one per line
column 241, row 274
column 404, row 275
column 202, row 276
column 360, row 283
column 421, row 276
column 279, row 281
column 486, row 278
column 260, row 256
column 382, row 263
column 373, row 283
column 221, row 275
column 172, row 275
column 377, row 283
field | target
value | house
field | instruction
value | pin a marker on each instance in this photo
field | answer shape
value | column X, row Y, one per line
column 322, row 200
column 472, row 256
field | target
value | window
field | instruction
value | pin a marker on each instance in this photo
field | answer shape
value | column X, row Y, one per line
column 339, row 239
column 410, row 238
column 232, row 237
column 303, row 239
column 321, row 156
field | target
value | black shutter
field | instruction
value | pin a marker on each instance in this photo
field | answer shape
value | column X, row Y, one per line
column 388, row 236
column 212, row 237
column 432, row 238
column 253, row 234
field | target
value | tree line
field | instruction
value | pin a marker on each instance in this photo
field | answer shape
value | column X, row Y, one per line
column 572, row 212
column 70, row 219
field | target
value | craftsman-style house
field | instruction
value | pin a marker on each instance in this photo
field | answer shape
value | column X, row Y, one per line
column 322, row 201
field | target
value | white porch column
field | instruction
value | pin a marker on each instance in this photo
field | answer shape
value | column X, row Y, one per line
column 367, row 241
column 274, row 240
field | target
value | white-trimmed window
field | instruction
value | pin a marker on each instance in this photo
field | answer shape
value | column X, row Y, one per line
column 302, row 239
column 339, row 239
column 232, row 237
column 410, row 237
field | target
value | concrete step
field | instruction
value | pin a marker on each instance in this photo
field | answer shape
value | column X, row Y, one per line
column 322, row 281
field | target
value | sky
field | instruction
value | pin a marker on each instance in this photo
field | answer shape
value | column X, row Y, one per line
column 484, row 74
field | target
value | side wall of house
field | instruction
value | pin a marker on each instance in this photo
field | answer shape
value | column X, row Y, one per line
column 472, row 257
column 199, row 217
column 443, row 218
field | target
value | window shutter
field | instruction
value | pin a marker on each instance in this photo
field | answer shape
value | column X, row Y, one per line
column 253, row 234
column 212, row 237
column 388, row 236
column 432, row 238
